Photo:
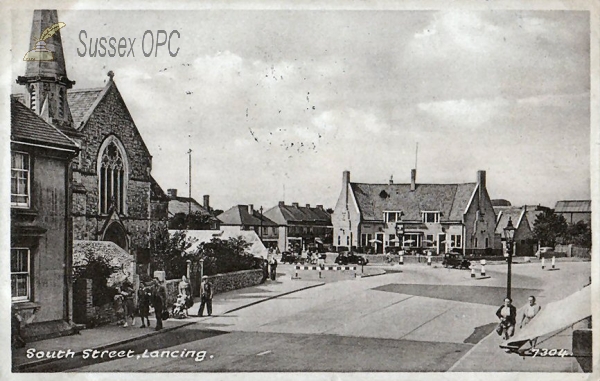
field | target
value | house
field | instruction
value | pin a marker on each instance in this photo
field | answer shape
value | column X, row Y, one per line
column 115, row 197
column 524, row 243
column 41, row 251
column 575, row 210
column 300, row 226
column 186, row 205
column 435, row 217
column 245, row 218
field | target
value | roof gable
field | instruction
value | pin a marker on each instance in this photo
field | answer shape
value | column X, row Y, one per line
column 27, row 126
column 240, row 215
column 182, row 205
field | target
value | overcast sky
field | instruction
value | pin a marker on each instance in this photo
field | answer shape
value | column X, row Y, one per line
column 281, row 102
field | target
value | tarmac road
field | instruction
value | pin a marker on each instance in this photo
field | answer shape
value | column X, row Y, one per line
column 421, row 318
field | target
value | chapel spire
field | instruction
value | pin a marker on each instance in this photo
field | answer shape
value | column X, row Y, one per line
column 45, row 77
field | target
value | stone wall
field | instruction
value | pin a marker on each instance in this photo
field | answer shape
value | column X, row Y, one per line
column 221, row 282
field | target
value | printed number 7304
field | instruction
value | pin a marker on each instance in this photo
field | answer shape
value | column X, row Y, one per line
column 545, row 352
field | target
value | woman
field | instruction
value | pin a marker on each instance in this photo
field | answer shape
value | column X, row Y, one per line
column 507, row 313
column 530, row 311
column 129, row 307
column 144, row 296
column 185, row 289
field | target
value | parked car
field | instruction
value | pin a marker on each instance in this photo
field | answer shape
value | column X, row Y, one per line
column 289, row 257
column 455, row 260
column 351, row 258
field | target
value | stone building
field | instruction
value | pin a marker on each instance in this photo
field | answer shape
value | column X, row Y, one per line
column 435, row 217
column 115, row 197
column 524, row 243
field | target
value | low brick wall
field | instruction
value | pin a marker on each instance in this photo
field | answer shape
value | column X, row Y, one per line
column 221, row 283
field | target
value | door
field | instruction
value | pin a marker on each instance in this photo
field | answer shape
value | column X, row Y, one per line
column 381, row 238
column 441, row 243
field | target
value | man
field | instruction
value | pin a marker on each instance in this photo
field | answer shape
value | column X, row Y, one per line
column 206, row 295
column 159, row 297
column 507, row 313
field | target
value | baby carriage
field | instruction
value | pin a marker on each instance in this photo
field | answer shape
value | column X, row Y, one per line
column 180, row 307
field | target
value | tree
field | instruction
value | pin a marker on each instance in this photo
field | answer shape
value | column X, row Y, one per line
column 169, row 252
column 223, row 256
column 549, row 228
column 194, row 221
column 579, row 234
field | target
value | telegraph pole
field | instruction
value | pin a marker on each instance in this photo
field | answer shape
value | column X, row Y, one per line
column 189, row 152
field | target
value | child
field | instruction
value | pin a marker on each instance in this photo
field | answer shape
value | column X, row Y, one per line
column 144, row 305
column 180, row 310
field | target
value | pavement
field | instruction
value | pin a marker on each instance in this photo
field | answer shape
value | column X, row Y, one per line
column 107, row 336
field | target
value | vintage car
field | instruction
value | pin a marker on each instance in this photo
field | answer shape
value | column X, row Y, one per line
column 351, row 258
column 455, row 260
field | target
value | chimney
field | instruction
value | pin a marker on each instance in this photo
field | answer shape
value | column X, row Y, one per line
column 281, row 203
column 391, row 179
column 295, row 204
column 250, row 209
column 308, row 205
column 320, row 207
column 481, row 183
column 172, row 193
column 345, row 184
column 206, row 202
column 413, row 180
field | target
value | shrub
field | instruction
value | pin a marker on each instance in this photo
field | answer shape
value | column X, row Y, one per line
column 98, row 269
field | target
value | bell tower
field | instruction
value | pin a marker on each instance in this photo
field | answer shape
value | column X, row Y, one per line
column 45, row 79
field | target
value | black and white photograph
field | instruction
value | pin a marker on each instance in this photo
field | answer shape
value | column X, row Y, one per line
column 301, row 190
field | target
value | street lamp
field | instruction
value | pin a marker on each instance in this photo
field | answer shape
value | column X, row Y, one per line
column 509, row 236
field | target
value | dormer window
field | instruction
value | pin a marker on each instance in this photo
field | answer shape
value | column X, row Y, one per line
column 431, row 217
column 392, row 216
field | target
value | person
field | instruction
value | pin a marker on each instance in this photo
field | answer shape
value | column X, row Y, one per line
column 119, row 308
column 265, row 269
column 180, row 309
column 158, row 300
column 144, row 295
column 530, row 311
column 186, row 290
column 206, row 295
column 274, row 269
column 507, row 313
column 128, row 305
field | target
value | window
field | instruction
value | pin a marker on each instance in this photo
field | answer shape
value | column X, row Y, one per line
column 475, row 242
column 429, row 240
column 431, row 217
column 19, row 274
column 365, row 239
column 456, row 240
column 32, row 98
column 112, row 178
column 411, row 240
column 347, row 241
column 392, row 216
column 339, row 240
column 487, row 242
column 19, row 180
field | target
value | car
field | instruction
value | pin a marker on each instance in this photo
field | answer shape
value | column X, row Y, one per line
column 455, row 260
column 351, row 258
column 289, row 257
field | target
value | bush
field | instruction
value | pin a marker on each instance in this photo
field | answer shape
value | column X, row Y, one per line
column 226, row 256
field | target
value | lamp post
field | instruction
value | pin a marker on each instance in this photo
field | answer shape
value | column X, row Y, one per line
column 509, row 236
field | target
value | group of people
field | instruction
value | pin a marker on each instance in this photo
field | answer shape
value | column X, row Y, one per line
column 507, row 313
column 153, row 295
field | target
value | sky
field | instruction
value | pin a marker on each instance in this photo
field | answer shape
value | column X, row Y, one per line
column 276, row 104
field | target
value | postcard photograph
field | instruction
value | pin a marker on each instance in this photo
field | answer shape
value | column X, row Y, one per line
column 314, row 188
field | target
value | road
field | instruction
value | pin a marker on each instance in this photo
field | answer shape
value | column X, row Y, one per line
column 420, row 318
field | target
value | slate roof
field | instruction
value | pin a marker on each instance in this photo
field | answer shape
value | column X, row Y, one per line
column 81, row 102
column 180, row 205
column 449, row 199
column 239, row 215
column 290, row 214
column 573, row 206
column 503, row 213
column 26, row 126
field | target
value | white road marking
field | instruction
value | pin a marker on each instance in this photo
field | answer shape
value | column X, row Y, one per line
column 263, row 353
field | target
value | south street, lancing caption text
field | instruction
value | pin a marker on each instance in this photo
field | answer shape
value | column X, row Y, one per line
column 198, row 356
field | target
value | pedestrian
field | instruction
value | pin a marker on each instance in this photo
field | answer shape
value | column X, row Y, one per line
column 17, row 340
column 144, row 295
column 206, row 295
column 529, row 313
column 507, row 313
column 119, row 307
column 274, row 269
column 265, row 269
column 186, row 290
column 158, row 300
column 128, row 304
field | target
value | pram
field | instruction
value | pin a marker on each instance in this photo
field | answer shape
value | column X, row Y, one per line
column 180, row 308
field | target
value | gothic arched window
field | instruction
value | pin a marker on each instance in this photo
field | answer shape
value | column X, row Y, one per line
column 112, row 173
